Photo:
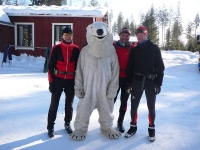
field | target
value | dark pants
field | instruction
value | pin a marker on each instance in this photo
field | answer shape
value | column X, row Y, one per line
column 150, row 97
column 68, row 86
column 123, row 98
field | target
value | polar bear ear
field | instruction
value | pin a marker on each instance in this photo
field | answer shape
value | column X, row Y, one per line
column 89, row 28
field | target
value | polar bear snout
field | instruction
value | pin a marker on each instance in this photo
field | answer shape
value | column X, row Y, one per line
column 100, row 32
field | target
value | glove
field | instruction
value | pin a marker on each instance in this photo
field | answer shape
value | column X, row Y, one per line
column 51, row 87
column 157, row 89
column 79, row 93
column 129, row 89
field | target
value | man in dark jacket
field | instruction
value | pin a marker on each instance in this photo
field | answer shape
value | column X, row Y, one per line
column 61, row 72
column 123, row 47
column 145, row 72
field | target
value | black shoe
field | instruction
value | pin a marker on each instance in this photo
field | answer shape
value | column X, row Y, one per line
column 68, row 128
column 120, row 127
column 151, row 131
column 131, row 131
column 51, row 133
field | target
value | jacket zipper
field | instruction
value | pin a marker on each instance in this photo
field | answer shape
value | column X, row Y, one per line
column 66, row 63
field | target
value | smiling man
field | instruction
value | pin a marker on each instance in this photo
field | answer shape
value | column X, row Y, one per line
column 145, row 72
column 61, row 74
column 123, row 47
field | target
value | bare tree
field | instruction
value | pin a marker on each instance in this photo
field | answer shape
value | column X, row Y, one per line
column 163, row 17
column 196, row 23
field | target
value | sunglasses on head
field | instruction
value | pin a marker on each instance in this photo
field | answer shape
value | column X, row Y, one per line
column 67, row 34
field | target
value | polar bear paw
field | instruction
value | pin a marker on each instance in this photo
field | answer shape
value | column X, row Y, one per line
column 110, row 133
column 77, row 135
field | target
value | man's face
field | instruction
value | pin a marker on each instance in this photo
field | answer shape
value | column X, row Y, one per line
column 67, row 37
column 141, row 37
column 124, row 37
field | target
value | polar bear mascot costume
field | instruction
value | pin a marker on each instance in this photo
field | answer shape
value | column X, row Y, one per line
column 96, row 81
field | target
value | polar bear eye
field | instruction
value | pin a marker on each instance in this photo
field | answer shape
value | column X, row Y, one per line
column 91, row 27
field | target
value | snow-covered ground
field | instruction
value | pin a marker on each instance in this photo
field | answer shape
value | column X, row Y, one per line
column 25, row 99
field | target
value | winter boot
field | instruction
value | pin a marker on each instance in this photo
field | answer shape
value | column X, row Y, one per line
column 120, row 127
column 120, row 121
column 68, row 127
column 51, row 133
column 151, row 131
column 50, row 128
column 131, row 131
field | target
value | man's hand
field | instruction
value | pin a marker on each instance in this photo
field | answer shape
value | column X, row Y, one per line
column 129, row 89
column 79, row 93
column 51, row 87
column 157, row 89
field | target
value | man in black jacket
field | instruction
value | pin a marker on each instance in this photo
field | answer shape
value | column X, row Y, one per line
column 61, row 73
column 145, row 72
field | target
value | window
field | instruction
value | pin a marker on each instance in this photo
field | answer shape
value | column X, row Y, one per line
column 24, row 33
column 57, row 32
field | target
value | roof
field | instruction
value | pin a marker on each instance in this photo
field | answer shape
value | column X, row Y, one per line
column 61, row 11
column 4, row 19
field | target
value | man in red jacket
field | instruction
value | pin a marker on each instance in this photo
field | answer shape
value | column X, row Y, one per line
column 61, row 72
column 123, row 47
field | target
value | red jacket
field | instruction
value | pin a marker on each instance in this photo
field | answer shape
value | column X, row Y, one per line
column 123, row 56
column 63, row 57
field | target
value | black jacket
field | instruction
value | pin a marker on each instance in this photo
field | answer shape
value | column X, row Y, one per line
column 145, row 58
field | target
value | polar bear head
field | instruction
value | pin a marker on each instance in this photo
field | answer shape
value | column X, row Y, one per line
column 99, row 39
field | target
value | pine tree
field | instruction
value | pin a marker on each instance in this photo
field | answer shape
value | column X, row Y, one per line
column 126, row 24
column 70, row 2
column 84, row 3
column 106, row 4
column 150, row 23
column 120, row 22
column 114, row 28
column 110, row 17
column 94, row 3
column 190, row 38
column 177, row 30
column 132, row 26
column 168, row 40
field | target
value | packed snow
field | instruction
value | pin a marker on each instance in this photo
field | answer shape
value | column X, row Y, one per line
column 25, row 99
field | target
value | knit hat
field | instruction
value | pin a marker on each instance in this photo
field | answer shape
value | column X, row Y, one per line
column 125, row 30
column 68, row 30
column 141, row 29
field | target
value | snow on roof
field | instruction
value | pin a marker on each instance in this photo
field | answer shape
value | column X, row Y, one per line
column 63, row 11
column 4, row 19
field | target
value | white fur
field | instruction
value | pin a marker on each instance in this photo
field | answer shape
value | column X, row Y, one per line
column 96, row 81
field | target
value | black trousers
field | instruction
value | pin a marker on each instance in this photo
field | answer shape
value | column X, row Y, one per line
column 123, row 98
column 150, row 97
column 66, row 85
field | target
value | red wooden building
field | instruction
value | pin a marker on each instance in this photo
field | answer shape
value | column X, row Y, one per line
column 36, row 28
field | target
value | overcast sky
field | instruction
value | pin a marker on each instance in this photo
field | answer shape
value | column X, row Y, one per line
column 188, row 8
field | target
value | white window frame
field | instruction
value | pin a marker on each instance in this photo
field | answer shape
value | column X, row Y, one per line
column 53, row 26
column 22, row 47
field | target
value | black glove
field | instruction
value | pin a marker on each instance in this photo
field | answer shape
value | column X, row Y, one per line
column 51, row 87
column 129, row 89
column 157, row 89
